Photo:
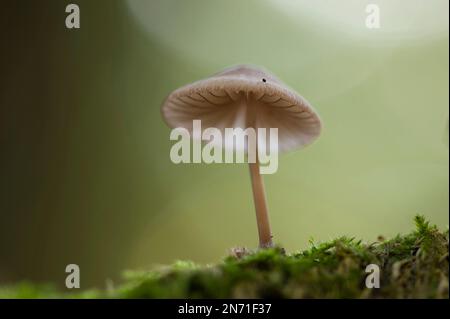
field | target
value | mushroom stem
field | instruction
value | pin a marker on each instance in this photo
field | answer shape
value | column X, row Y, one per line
column 259, row 197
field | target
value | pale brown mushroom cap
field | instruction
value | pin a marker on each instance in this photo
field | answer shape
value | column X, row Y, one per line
column 244, row 96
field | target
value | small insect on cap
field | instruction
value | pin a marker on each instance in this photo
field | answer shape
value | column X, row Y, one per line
column 244, row 96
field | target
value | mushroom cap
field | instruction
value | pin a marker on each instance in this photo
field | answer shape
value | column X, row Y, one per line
column 244, row 96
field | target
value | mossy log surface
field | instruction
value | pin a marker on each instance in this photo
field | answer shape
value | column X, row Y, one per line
column 411, row 266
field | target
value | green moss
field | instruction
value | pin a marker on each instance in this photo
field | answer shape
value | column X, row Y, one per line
column 412, row 266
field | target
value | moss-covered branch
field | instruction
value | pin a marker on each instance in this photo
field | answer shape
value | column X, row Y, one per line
column 412, row 266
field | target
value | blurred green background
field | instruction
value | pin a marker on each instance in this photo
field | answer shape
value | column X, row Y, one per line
column 84, row 154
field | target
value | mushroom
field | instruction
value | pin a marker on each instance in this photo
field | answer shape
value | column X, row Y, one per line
column 245, row 96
